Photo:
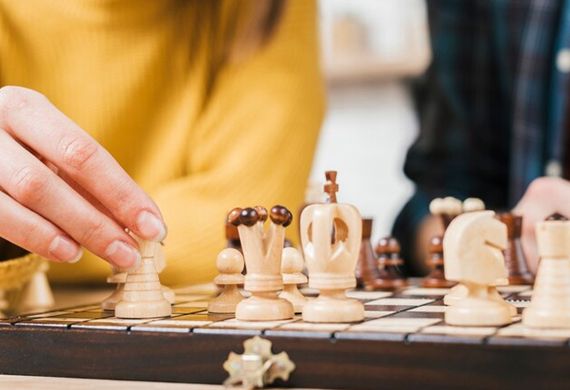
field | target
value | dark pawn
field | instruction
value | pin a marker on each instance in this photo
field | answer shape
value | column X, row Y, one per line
column 436, row 278
column 390, row 276
column 515, row 260
column 232, row 237
column 367, row 271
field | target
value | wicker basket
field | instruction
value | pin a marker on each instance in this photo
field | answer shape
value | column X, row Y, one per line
column 17, row 272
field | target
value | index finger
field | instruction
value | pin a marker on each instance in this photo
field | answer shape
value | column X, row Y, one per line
column 33, row 120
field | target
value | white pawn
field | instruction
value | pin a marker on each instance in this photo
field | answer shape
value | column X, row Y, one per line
column 550, row 304
column 119, row 278
column 143, row 296
column 37, row 293
column 160, row 265
column 230, row 265
column 291, row 267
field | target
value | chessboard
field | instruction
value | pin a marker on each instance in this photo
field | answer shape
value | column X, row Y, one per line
column 403, row 342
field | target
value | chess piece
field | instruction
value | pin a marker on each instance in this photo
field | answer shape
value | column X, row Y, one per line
column 143, row 296
column 230, row 265
column 331, row 262
column 514, row 255
column 262, row 253
column 473, row 204
column 232, row 237
column 473, row 245
column 457, row 293
column 119, row 278
column 367, row 271
column 550, row 304
column 446, row 209
column 390, row 275
column 436, row 278
column 37, row 293
column 160, row 265
column 291, row 268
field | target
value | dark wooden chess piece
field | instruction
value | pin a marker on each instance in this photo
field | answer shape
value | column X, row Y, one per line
column 232, row 237
column 390, row 274
column 436, row 278
column 367, row 267
column 515, row 260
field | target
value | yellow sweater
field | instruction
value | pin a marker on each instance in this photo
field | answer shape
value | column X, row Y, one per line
column 123, row 70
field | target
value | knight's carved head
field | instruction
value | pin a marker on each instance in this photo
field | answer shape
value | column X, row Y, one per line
column 473, row 245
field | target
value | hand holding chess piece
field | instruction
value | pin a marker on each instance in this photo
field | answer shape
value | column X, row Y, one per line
column 143, row 296
column 262, row 253
column 230, row 266
column 550, row 304
column 331, row 265
column 473, row 246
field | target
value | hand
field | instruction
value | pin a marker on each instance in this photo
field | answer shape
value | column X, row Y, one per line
column 60, row 190
column 544, row 197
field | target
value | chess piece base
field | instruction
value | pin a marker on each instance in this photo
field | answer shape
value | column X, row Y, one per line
column 333, row 307
column 145, row 309
column 264, row 307
column 483, row 306
column 293, row 295
column 521, row 279
column 112, row 300
column 436, row 279
column 385, row 284
column 546, row 318
column 226, row 302
column 456, row 294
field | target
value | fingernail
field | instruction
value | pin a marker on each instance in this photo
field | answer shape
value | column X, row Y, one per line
column 65, row 250
column 150, row 226
column 123, row 255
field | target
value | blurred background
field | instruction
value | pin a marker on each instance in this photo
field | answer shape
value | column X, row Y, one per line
column 370, row 51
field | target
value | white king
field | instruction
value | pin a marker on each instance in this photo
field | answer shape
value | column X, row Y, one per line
column 331, row 238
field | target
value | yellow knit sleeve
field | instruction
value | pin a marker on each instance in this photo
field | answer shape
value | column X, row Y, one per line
column 252, row 145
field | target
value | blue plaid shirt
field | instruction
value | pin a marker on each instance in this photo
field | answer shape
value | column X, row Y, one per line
column 491, row 106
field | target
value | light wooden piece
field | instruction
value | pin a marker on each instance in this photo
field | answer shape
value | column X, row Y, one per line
column 37, row 294
column 473, row 204
column 262, row 254
column 144, row 298
column 230, row 265
column 331, row 265
column 119, row 278
column 291, row 268
column 550, row 304
column 459, row 292
column 473, row 246
column 160, row 265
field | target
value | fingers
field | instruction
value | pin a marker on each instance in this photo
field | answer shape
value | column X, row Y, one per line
column 32, row 119
column 544, row 197
column 28, row 230
column 36, row 187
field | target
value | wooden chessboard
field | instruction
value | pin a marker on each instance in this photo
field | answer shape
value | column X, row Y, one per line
column 403, row 342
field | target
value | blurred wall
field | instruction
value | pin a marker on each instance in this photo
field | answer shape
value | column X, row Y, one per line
column 369, row 49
